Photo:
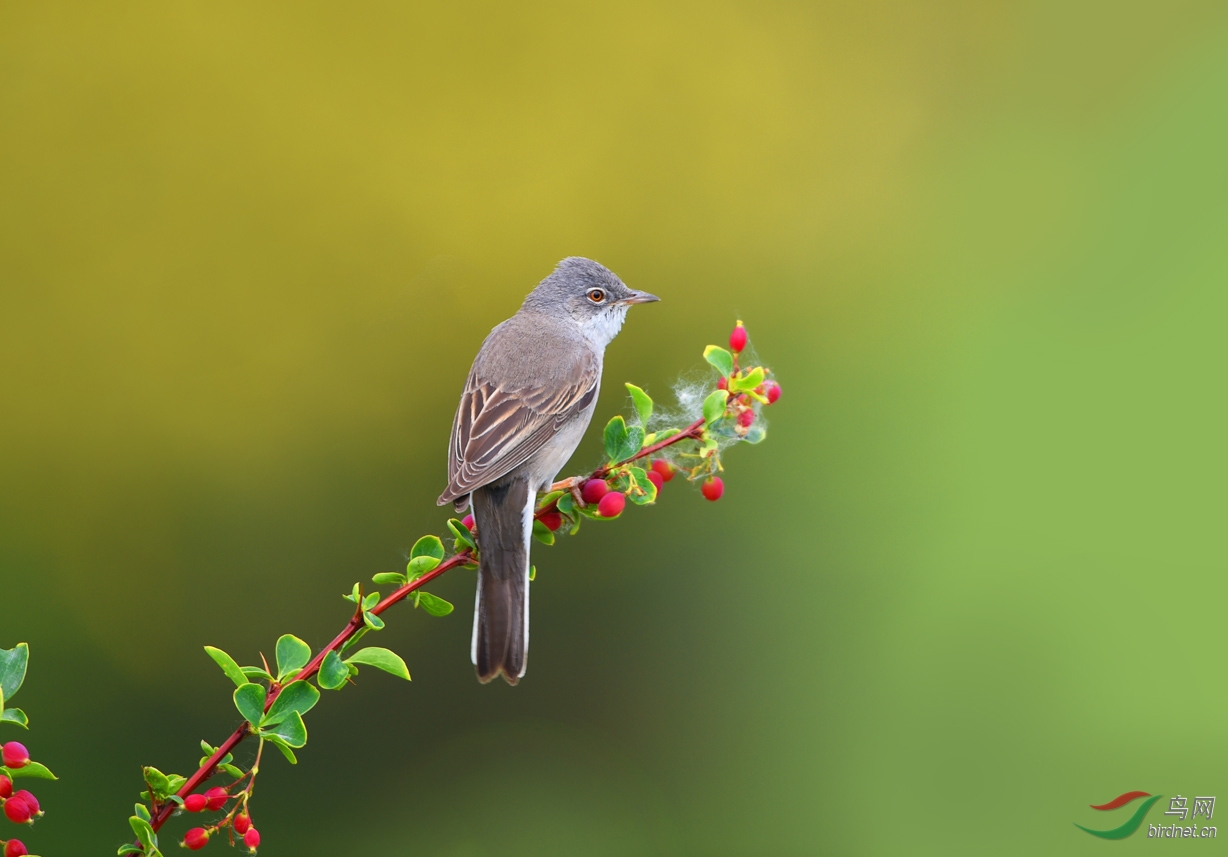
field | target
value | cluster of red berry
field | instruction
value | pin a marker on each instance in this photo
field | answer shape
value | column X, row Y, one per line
column 20, row 807
column 215, row 799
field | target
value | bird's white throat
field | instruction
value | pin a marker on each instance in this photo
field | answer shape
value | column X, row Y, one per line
column 601, row 329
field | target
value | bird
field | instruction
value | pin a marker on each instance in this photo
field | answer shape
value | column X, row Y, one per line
column 529, row 397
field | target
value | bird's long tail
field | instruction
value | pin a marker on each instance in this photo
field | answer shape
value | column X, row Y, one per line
column 504, row 515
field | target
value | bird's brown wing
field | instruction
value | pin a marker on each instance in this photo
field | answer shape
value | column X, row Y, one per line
column 497, row 428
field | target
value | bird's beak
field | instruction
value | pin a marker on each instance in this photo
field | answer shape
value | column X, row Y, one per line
column 639, row 298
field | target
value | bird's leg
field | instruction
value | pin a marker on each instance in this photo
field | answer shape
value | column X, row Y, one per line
column 572, row 486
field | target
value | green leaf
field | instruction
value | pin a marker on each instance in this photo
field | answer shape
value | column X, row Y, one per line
column 356, row 595
column 299, row 697
column 647, row 492
column 158, row 781
column 144, row 833
column 292, row 730
column 255, row 672
column 566, row 503
column 333, row 672
column 370, row 601
column 757, row 432
column 175, row 782
column 13, row 663
column 283, row 746
column 393, row 577
column 353, row 641
column 372, row 621
column 249, row 699
column 461, row 533
column 643, row 403
column 388, row 661
column 714, row 406
column 747, row 383
column 621, row 442
column 720, row 358
column 142, row 812
column 15, row 715
column 129, row 849
column 433, row 604
column 419, row 566
column 532, row 572
column 233, row 671
column 230, row 769
column 292, row 654
column 33, row 770
column 427, row 546
column 542, row 533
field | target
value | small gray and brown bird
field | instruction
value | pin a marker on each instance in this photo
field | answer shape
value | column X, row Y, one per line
column 529, row 397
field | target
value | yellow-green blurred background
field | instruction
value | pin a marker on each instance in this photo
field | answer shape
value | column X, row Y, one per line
column 972, row 583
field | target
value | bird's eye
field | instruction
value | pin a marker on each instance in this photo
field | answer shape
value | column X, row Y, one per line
column 596, row 295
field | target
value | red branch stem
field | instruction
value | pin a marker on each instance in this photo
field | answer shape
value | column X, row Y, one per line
column 464, row 557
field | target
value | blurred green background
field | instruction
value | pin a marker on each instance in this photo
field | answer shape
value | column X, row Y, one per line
column 972, row 583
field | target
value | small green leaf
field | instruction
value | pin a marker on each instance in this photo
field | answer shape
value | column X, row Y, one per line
column 207, row 748
column 255, row 672
column 388, row 661
column 643, row 403
column 757, row 432
column 370, row 601
column 283, row 746
column 143, row 813
column 566, row 503
column 747, row 383
column 646, row 493
column 228, row 665
column 355, row 595
column 230, row 769
column 299, row 697
column 15, row 715
column 353, row 641
column 13, row 663
column 532, row 572
column 433, row 604
column 175, row 782
column 129, row 849
column 615, row 437
column 372, row 621
column 419, row 566
column 461, row 533
column 714, row 406
column 34, row 770
column 393, row 577
column 333, row 672
column 157, row 781
column 720, row 358
column 542, row 533
column 292, row 730
column 249, row 699
column 144, row 833
column 427, row 546
column 292, row 654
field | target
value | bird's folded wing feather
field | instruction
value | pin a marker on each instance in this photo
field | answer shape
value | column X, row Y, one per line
column 498, row 428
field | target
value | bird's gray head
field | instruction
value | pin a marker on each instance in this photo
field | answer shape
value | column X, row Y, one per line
column 588, row 294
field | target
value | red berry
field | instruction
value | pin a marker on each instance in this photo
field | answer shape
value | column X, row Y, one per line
column 216, row 797
column 468, row 521
column 656, row 479
column 242, row 823
column 737, row 339
column 593, row 490
column 713, row 488
column 722, row 384
column 195, row 803
column 664, row 468
column 552, row 520
column 17, row 810
column 772, row 390
column 31, row 801
column 15, row 848
column 746, row 418
column 252, row 838
column 6, row 786
column 196, row 839
column 611, row 505
column 15, row 755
